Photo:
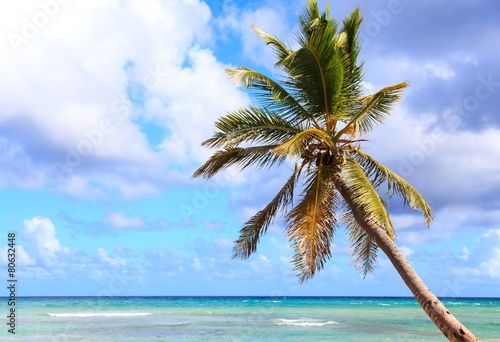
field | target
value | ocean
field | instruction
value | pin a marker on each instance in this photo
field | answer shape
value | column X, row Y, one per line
column 241, row 319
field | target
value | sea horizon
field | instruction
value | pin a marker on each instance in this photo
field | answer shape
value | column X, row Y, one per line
column 241, row 296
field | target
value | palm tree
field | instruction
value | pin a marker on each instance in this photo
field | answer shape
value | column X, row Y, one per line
column 317, row 116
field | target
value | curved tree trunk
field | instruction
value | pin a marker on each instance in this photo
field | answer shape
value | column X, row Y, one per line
column 444, row 320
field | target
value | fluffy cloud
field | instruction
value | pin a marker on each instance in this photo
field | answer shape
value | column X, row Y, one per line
column 448, row 167
column 491, row 267
column 484, row 262
column 44, row 258
column 444, row 63
column 42, row 244
column 121, row 93
column 22, row 257
column 79, row 105
column 42, row 255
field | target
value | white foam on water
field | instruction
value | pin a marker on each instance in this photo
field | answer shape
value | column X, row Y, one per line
column 304, row 322
column 170, row 323
column 100, row 314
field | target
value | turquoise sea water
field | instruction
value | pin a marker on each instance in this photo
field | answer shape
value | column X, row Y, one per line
column 241, row 319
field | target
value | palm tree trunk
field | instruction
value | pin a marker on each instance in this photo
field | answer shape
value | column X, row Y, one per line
column 444, row 320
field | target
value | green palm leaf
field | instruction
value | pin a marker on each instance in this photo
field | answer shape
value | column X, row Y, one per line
column 251, row 125
column 260, row 156
column 308, row 77
column 311, row 223
column 395, row 184
column 281, row 51
column 257, row 225
column 271, row 95
column 351, row 44
column 311, row 21
column 295, row 146
column 347, row 43
column 362, row 248
column 315, row 69
column 373, row 109
column 365, row 196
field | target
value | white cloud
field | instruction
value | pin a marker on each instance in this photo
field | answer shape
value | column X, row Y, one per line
column 447, row 165
column 464, row 57
column 458, row 159
column 120, row 221
column 189, row 106
column 42, row 244
column 22, row 257
column 465, row 255
column 491, row 234
column 402, row 221
column 438, row 70
column 42, row 255
column 78, row 81
column 491, row 267
column 400, row 135
column 406, row 251
column 393, row 69
column 115, row 262
column 485, row 261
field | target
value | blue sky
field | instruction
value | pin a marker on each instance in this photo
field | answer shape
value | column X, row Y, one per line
column 104, row 104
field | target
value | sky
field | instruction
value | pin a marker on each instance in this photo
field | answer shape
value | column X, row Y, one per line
column 104, row 104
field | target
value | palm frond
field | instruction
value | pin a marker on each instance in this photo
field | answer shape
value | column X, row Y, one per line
column 311, row 223
column 315, row 70
column 270, row 94
column 365, row 196
column 348, row 45
column 350, row 29
column 249, row 78
column 311, row 21
column 257, row 225
column 298, row 143
column 299, row 115
column 251, row 125
column 363, row 249
column 260, row 156
column 281, row 51
column 373, row 109
column 395, row 184
column 308, row 77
